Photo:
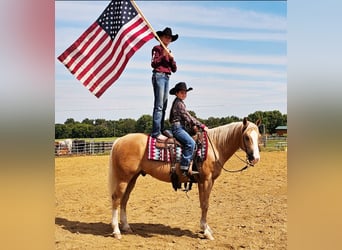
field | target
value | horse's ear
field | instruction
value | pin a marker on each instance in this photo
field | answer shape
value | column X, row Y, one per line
column 245, row 124
column 245, row 121
column 258, row 122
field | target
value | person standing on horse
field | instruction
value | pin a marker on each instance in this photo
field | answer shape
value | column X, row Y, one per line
column 163, row 63
column 181, row 119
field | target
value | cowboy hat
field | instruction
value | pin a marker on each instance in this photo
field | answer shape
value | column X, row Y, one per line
column 179, row 86
column 167, row 31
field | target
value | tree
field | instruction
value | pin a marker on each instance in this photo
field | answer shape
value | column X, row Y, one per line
column 90, row 128
column 88, row 121
column 144, row 124
column 100, row 122
column 62, row 131
column 101, row 131
column 80, row 130
column 69, row 121
column 270, row 119
column 212, row 122
column 125, row 126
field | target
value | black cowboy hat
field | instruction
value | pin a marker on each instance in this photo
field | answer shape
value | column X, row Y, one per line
column 179, row 86
column 167, row 31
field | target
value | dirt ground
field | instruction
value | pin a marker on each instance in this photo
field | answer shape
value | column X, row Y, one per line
column 247, row 210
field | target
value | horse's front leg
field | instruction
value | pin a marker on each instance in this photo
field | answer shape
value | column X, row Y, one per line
column 204, row 189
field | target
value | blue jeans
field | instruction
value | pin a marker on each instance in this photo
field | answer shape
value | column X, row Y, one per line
column 160, row 82
column 188, row 145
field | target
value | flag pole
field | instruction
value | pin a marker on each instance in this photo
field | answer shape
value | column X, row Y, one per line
column 149, row 25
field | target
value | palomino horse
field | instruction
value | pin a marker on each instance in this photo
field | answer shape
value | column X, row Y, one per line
column 128, row 159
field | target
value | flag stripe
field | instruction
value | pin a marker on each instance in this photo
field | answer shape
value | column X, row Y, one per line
column 112, row 55
column 99, row 56
column 129, row 52
column 99, row 91
column 84, row 50
column 74, row 51
column 94, row 53
column 129, row 40
column 113, row 72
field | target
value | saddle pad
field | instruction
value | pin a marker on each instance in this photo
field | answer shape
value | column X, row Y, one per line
column 160, row 154
column 163, row 154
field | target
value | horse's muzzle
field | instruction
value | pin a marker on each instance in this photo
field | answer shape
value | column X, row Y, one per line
column 251, row 159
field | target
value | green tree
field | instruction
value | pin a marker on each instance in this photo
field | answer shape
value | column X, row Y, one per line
column 62, row 131
column 88, row 121
column 101, row 131
column 144, row 124
column 69, row 121
column 79, row 130
column 275, row 119
column 192, row 113
column 100, row 122
column 125, row 126
column 90, row 128
column 212, row 122
column 270, row 119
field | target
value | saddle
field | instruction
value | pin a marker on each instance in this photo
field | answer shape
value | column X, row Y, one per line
column 169, row 142
column 170, row 151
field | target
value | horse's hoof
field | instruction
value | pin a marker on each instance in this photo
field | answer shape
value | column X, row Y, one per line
column 117, row 236
column 127, row 230
column 208, row 235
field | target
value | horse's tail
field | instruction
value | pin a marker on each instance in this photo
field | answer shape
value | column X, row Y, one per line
column 111, row 180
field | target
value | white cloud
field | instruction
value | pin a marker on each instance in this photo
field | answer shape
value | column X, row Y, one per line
column 221, row 16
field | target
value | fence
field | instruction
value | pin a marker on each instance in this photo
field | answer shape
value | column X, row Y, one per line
column 274, row 143
column 82, row 147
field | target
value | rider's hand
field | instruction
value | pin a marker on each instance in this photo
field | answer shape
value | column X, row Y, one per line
column 195, row 128
column 204, row 128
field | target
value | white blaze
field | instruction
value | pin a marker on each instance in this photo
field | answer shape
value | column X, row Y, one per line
column 254, row 135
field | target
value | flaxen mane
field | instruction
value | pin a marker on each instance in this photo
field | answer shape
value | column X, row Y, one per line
column 220, row 136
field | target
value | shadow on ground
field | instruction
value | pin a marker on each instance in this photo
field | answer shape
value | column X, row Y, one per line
column 105, row 229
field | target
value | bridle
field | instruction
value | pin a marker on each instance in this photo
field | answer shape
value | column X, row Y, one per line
column 247, row 162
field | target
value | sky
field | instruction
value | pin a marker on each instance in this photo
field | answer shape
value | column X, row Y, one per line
column 233, row 54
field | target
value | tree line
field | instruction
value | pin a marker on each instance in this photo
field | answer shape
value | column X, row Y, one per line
column 101, row 128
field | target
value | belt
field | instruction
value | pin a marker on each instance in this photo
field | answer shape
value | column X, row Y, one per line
column 176, row 123
column 162, row 73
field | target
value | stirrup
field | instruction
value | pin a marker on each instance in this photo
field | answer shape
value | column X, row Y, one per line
column 193, row 172
column 187, row 173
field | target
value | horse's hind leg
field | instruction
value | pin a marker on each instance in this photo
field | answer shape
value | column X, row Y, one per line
column 116, row 199
column 123, row 215
column 120, row 198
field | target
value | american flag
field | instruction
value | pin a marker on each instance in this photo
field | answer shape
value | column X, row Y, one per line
column 101, row 53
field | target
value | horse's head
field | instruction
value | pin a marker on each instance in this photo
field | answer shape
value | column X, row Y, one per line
column 250, row 140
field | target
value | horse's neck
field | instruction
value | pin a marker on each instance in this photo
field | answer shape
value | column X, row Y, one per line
column 227, row 140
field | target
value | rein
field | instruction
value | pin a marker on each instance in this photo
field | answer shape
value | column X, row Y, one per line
column 248, row 164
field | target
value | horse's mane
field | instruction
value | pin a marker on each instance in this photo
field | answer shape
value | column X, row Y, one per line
column 222, row 134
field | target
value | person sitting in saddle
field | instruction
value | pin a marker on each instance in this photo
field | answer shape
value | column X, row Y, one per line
column 180, row 118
